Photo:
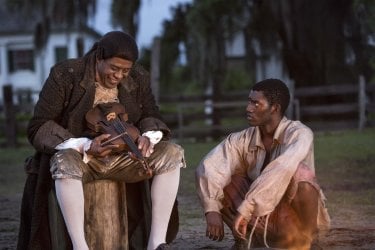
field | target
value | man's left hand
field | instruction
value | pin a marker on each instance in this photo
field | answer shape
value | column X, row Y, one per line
column 145, row 146
column 240, row 227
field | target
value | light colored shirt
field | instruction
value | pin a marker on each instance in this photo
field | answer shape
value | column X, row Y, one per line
column 244, row 153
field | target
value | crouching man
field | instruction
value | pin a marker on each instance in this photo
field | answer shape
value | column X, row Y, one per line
column 261, row 181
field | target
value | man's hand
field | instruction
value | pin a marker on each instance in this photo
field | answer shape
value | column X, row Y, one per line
column 101, row 151
column 215, row 226
column 240, row 227
column 145, row 146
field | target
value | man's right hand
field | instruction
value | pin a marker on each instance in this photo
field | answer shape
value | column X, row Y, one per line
column 215, row 226
column 101, row 151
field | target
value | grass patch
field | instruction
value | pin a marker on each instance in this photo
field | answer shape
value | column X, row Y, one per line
column 194, row 152
column 345, row 166
column 12, row 174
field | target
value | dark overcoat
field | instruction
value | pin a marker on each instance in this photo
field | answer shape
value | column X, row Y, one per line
column 67, row 95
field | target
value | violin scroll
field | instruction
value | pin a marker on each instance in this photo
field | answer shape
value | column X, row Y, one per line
column 111, row 118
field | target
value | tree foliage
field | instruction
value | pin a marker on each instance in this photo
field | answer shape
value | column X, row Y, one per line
column 126, row 15
column 320, row 42
column 211, row 23
column 175, row 33
column 202, row 28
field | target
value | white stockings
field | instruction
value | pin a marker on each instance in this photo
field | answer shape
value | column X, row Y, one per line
column 164, row 189
column 163, row 195
column 69, row 194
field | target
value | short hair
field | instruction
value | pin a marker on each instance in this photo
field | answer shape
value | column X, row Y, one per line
column 116, row 44
column 275, row 91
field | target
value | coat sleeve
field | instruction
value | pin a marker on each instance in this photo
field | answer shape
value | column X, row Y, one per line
column 44, row 131
column 215, row 170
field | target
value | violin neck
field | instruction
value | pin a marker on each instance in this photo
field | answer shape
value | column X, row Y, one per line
column 121, row 130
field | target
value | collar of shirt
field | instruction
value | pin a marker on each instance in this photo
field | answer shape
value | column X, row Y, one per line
column 105, row 95
column 258, row 151
column 278, row 137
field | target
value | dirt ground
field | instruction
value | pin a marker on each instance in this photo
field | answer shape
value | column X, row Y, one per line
column 349, row 230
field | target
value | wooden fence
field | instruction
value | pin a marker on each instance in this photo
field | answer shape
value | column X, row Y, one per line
column 194, row 119
column 323, row 108
column 335, row 107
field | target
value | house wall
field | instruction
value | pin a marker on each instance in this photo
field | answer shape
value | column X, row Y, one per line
column 34, row 79
column 268, row 64
column 22, row 78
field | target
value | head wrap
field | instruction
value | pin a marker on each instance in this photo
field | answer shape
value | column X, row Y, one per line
column 116, row 44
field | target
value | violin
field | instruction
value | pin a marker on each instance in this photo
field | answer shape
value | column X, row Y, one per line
column 111, row 118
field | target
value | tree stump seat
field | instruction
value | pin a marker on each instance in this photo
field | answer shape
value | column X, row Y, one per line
column 106, row 226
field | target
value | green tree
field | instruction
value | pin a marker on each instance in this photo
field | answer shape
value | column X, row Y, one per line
column 125, row 14
column 175, row 33
column 203, row 28
column 324, row 41
column 210, row 24
column 321, row 42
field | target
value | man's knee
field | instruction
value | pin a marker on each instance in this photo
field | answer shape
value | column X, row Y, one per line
column 306, row 192
column 305, row 204
column 167, row 157
column 66, row 163
column 175, row 151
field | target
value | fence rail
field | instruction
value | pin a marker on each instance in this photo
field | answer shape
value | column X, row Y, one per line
column 346, row 106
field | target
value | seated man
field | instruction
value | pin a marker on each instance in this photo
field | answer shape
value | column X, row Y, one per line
column 107, row 75
column 261, row 181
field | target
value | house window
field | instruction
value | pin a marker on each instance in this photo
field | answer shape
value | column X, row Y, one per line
column 21, row 59
column 61, row 53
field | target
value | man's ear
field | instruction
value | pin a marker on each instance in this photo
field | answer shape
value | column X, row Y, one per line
column 276, row 108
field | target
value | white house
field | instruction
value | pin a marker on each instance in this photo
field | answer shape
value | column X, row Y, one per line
column 21, row 65
column 268, row 64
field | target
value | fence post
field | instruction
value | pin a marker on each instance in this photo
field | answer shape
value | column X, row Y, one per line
column 361, row 102
column 10, row 117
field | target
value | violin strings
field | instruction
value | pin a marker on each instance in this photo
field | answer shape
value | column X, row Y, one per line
column 121, row 128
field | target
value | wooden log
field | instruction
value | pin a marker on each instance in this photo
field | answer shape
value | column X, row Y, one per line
column 105, row 215
column 106, row 225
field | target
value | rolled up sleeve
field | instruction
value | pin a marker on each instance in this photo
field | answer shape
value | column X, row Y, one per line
column 215, row 170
